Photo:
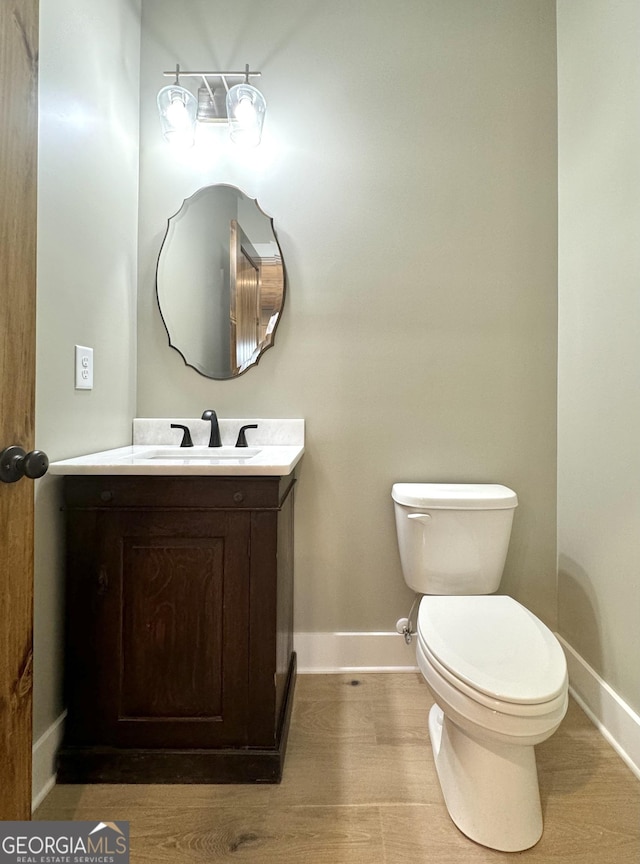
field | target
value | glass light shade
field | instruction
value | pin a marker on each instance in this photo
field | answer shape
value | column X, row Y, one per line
column 246, row 108
column 177, row 108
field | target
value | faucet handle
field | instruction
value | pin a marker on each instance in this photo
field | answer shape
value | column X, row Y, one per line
column 242, row 438
column 186, row 435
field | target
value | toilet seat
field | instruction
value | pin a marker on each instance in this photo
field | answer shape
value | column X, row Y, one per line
column 534, row 711
column 494, row 651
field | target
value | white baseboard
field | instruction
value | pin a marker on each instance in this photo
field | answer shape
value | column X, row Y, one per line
column 354, row 652
column 43, row 775
column 615, row 720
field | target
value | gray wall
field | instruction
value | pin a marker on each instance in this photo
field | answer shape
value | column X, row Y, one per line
column 87, row 220
column 599, row 326
column 409, row 162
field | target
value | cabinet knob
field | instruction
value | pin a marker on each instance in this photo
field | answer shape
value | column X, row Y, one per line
column 106, row 495
column 238, row 497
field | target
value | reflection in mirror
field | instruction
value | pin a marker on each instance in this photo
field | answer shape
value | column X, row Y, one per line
column 220, row 282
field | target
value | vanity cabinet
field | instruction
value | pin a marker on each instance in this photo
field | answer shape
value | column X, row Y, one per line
column 179, row 649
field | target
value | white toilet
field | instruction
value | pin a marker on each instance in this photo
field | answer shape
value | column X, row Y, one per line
column 498, row 675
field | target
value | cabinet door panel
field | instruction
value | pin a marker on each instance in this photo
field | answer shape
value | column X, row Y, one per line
column 158, row 653
column 172, row 627
column 182, row 587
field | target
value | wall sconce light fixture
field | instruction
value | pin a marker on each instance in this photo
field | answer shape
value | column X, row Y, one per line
column 241, row 106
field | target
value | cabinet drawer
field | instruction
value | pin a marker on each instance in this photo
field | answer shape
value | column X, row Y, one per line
column 111, row 492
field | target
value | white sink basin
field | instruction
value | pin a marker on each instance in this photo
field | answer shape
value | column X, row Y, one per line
column 205, row 454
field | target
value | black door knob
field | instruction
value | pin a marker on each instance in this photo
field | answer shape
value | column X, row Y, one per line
column 15, row 463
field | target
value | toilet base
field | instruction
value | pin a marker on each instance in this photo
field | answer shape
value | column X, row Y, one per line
column 490, row 789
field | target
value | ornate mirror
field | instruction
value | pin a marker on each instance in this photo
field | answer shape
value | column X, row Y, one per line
column 220, row 282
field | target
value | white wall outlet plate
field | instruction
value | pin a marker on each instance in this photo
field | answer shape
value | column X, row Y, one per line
column 84, row 368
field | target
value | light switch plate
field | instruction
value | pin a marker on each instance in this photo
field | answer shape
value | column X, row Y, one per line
column 84, row 368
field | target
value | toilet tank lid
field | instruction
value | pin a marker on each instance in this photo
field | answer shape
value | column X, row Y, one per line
column 455, row 496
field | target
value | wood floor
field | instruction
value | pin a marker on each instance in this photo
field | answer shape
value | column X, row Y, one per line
column 359, row 786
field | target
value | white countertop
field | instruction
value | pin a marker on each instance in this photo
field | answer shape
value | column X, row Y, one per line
column 139, row 459
column 156, row 451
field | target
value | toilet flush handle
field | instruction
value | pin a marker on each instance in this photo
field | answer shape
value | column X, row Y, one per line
column 420, row 517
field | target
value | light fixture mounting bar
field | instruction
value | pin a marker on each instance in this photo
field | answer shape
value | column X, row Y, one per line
column 179, row 72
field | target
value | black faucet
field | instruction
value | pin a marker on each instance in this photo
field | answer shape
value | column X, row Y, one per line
column 214, row 438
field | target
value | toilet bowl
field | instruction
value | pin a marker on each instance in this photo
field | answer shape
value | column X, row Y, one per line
column 499, row 680
column 497, row 674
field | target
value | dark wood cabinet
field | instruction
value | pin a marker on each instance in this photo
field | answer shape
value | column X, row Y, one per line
column 179, row 652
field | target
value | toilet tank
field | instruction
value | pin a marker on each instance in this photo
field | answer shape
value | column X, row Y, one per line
column 453, row 537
